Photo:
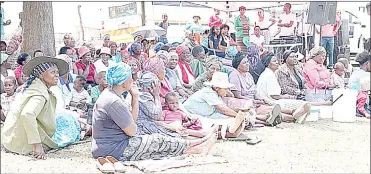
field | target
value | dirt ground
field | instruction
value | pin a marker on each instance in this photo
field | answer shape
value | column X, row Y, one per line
column 323, row 146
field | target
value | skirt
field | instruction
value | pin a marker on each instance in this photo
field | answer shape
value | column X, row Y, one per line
column 154, row 146
column 67, row 129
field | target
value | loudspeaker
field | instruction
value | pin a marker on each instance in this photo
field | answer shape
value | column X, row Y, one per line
column 321, row 13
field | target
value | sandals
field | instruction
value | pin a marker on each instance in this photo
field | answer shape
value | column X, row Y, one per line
column 117, row 165
column 110, row 165
column 104, row 166
column 274, row 116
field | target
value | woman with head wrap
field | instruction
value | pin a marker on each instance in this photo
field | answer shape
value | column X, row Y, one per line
column 290, row 77
column 124, row 55
column 183, row 69
column 256, row 66
column 12, row 51
column 135, row 67
column 136, row 52
column 85, row 65
column 106, row 40
column 189, row 40
column 158, row 47
column 31, row 123
column 115, row 55
column 157, row 67
column 269, row 91
column 133, row 133
column 244, row 91
column 197, row 64
column 317, row 76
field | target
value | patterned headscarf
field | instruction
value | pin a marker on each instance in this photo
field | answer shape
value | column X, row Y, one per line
column 147, row 77
column 134, row 47
column 153, row 65
column 163, row 55
column 180, row 49
column 118, row 74
column 212, row 60
column 132, row 59
column 15, row 43
column 39, row 69
column 253, row 55
column 158, row 47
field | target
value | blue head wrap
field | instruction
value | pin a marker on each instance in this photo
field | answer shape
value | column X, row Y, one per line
column 134, row 47
column 267, row 59
column 158, row 47
column 118, row 74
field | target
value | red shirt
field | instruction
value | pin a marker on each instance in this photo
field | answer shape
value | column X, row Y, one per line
column 214, row 19
column 82, row 66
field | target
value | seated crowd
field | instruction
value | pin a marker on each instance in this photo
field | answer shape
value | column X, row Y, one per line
column 177, row 101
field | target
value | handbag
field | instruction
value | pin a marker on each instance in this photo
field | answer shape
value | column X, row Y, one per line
column 318, row 95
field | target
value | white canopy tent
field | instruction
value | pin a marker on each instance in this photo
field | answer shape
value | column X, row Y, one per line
column 227, row 6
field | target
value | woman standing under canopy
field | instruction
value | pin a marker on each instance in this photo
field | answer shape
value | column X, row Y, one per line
column 31, row 122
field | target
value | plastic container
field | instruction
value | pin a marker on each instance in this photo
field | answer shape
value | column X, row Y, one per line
column 313, row 116
column 344, row 109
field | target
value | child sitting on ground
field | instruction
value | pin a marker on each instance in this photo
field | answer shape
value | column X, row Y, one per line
column 78, row 101
column 172, row 113
column 102, row 84
column 348, row 67
column 363, row 99
column 7, row 98
column 337, row 75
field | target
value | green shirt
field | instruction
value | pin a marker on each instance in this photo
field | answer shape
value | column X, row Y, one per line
column 238, row 23
column 95, row 93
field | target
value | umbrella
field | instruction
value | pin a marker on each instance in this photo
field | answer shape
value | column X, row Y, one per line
column 149, row 31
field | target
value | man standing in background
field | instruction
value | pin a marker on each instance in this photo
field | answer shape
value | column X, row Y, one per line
column 164, row 24
column 287, row 21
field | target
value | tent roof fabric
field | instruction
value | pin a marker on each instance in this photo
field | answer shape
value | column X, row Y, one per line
column 233, row 6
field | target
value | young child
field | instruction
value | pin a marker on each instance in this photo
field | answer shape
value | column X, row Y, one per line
column 172, row 113
column 102, row 84
column 78, row 101
column 337, row 75
column 363, row 98
column 7, row 98
column 348, row 67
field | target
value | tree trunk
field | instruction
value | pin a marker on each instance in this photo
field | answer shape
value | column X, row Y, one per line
column 38, row 28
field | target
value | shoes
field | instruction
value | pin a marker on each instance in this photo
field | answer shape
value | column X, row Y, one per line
column 110, row 165
column 275, row 116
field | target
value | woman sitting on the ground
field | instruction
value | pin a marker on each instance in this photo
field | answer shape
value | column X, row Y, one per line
column 116, row 131
column 171, row 61
column 256, row 65
column 364, row 60
column 197, row 64
column 269, row 90
column 317, row 76
column 85, row 65
column 363, row 98
column 244, row 91
column 290, row 78
column 31, row 123
column 208, row 103
column 135, row 67
column 22, row 60
column 215, row 38
column 183, row 69
column 136, row 52
column 104, row 62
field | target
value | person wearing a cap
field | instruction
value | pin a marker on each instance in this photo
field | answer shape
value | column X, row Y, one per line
column 269, row 90
column 31, row 122
column 103, row 63
column 317, row 76
column 85, row 66
column 290, row 77
column 195, row 28
column 364, row 60
column 242, row 25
